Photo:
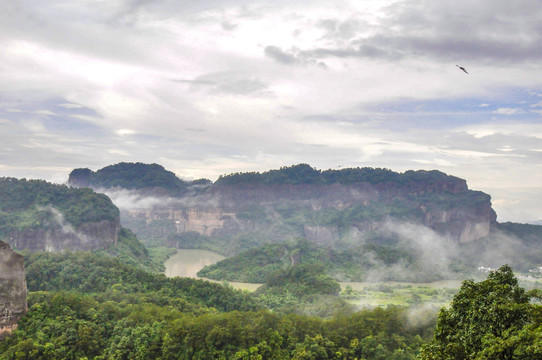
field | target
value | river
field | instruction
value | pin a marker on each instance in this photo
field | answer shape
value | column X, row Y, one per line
column 187, row 263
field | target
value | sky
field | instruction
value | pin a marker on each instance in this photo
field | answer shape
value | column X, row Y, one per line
column 207, row 87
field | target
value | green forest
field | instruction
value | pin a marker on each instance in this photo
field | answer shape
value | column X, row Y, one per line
column 395, row 258
column 115, row 302
column 86, row 306
column 130, row 176
column 305, row 174
column 25, row 204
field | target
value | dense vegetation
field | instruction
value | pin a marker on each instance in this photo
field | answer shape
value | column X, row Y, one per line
column 95, row 273
column 255, row 265
column 94, row 306
column 130, row 176
column 377, row 255
column 29, row 204
column 146, row 316
column 129, row 250
column 65, row 325
column 303, row 289
column 390, row 257
column 305, row 174
column 492, row 319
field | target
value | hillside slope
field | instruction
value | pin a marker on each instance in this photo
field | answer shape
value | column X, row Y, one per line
column 41, row 216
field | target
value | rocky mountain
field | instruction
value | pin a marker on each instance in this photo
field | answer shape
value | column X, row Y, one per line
column 327, row 208
column 40, row 216
column 12, row 289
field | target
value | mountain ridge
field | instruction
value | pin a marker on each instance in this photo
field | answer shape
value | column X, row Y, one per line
column 297, row 201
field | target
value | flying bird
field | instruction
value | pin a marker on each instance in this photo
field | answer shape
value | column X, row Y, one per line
column 462, row 68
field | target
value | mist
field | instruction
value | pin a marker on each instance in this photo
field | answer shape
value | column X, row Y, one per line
column 126, row 199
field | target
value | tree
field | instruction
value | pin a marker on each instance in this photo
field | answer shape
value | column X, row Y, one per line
column 492, row 319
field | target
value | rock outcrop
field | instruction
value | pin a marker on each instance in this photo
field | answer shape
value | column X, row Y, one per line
column 60, row 237
column 298, row 201
column 450, row 209
column 12, row 289
column 41, row 216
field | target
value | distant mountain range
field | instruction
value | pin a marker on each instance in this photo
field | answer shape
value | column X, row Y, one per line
column 360, row 223
column 426, row 222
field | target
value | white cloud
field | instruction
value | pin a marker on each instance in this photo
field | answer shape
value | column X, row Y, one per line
column 507, row 111
column 214, row 87
column 124, row 132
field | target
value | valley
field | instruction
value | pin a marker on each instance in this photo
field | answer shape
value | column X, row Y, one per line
column 132, row 262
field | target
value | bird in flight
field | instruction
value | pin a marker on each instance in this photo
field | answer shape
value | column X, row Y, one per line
column 462, row 68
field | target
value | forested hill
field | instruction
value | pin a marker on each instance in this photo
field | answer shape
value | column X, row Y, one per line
column 39, row 215
column 323, row 206
column 305, row 174
column 129, row 176
column 152, row 176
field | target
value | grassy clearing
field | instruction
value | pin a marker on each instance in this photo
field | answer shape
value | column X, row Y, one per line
column 401, row 294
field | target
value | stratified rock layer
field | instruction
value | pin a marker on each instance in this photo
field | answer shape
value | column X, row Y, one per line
column 12, row 289
column 61, row 237
column 325, row 207
column 228, row 209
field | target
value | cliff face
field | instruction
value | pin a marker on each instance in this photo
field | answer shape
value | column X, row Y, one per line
column 60, row 237
column 41, row 216
column 12, row 289
column 447, row 207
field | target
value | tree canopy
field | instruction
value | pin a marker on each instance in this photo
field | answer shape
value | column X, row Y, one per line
column 306, row 174
column 129, row 176
column 32, row 203
column 492, row 319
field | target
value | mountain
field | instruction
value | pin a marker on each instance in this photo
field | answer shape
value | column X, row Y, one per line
column 133, row 176
column 41, row 216
column 328, row 208
column 12, row 289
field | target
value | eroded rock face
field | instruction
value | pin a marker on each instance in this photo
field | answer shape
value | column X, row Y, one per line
column 87, row 237
column 12, row 289
column 462, row 216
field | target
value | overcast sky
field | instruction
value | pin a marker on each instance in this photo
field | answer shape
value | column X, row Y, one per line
column 212, row 87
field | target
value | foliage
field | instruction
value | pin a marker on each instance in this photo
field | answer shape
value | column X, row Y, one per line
column 158, row 256
column 29, row 204
column 226, row 244
column 304, row 279
column 305, row 174
column 302, row 288
column 67, row 325
column 256, row 264
column 392, row 258
column 492, row 319
column 129, row 176
column 429, row 297
column 129, row 250
column 95, row 273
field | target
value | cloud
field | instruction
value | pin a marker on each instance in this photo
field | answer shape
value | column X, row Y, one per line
column 71, row 106
column 292, row 57
column 275, row 53
column 228, row 26
column 507, row 111
column 488, row 32
column 228, row 83
column 248, row 77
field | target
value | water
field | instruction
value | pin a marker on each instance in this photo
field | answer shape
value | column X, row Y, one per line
column 187, row 263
